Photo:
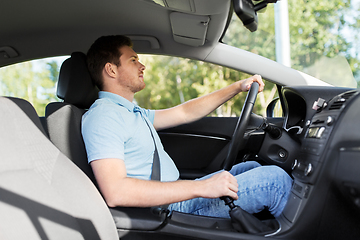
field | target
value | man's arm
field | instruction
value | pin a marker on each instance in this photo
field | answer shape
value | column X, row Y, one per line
column 200, row 107
column 120, row 190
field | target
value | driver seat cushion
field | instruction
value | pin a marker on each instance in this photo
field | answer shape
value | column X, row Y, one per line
column 43, row 195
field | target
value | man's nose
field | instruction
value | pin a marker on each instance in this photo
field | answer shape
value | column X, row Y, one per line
column 142, row 66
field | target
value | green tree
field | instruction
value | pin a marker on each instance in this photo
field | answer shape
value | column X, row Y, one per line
column 322, row 37
column 317, row 30
column 171, row 81
column 321, row 33
column 20, row 80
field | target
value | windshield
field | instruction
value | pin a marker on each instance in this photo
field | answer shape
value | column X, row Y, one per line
column 323, row 38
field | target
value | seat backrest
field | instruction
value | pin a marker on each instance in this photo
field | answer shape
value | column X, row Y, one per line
column 75, row 85
column 43, row 195
column 63, row 119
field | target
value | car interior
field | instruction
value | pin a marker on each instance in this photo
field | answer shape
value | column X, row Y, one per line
column 48, row 190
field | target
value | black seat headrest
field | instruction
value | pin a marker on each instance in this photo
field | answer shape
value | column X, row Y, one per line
column 75, row 85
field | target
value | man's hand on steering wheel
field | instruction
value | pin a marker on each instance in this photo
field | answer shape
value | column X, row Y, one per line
column 245, row 84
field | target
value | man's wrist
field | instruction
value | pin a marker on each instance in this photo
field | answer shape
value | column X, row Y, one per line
column 198, row 188
column 239, row 86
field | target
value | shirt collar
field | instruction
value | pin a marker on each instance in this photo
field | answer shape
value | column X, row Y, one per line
column 131, row 107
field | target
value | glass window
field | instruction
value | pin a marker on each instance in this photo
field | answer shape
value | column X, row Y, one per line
column 324, row 38
column 34, row 81
column 171, row 81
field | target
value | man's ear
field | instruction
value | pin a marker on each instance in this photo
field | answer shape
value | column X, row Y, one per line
column 110, row 70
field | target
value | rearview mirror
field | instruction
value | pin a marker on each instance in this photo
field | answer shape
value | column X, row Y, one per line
column 246, row 11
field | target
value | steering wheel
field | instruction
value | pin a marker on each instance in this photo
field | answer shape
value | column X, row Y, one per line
column 237, row 141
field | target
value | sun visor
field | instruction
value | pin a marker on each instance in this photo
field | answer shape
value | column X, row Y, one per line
column 189, row 29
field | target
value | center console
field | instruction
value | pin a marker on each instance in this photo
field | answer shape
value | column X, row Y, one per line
column 307, row 166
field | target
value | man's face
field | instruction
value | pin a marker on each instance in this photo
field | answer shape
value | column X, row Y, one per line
column 131, row 71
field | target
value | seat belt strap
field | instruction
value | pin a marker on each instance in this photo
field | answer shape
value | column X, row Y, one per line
column 155, row 173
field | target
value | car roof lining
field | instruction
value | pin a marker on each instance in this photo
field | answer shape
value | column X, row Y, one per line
column 46, row 26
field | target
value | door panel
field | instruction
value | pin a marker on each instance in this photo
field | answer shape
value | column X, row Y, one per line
column 192, row 151
column 200, row 148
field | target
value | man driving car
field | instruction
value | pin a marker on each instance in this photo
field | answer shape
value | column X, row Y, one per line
column 120, row 139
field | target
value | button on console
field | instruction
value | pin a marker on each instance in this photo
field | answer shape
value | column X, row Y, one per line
column 329, row 120
column 308, row 169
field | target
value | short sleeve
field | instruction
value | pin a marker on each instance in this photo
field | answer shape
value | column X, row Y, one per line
column 104, row 135
column 150, row 114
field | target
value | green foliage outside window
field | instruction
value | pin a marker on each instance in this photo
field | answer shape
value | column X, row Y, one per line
column 171, row 81
column 318, row 29
column 37, row 86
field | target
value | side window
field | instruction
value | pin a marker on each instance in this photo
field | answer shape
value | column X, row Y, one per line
column 34, row 81
column 171, row 81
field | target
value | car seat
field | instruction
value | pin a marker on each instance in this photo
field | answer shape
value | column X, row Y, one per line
column 43, row 195
column 63, row 119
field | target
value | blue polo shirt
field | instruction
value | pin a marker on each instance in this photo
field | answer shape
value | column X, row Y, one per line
column 114, row 127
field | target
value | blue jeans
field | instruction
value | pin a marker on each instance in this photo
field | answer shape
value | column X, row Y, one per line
column 260, row 187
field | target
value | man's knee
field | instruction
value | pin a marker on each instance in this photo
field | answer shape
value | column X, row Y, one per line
column 280, row 176
column 253, row 164
column 244, row 167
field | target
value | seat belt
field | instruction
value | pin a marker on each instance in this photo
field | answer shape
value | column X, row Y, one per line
column 155, row 173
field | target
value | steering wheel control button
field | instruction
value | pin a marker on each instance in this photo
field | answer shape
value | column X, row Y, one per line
column 308, row 170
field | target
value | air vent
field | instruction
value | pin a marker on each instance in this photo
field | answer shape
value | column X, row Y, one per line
column 340, row 100
column 337, row 104
column 348, row 95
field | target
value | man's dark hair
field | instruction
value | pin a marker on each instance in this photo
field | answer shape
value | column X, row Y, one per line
column 105, row 49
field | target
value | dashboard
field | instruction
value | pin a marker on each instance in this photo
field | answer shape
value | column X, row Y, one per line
column 326, row 164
